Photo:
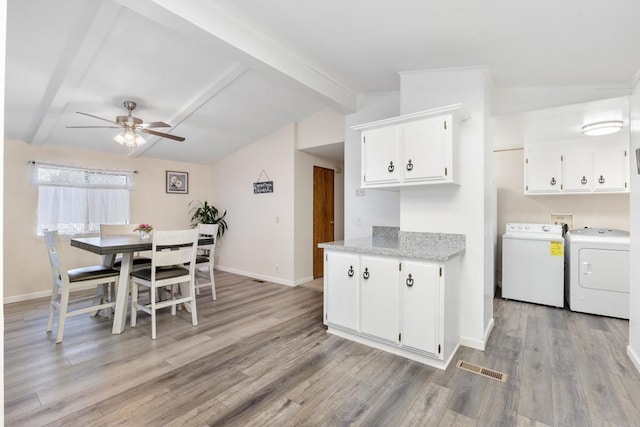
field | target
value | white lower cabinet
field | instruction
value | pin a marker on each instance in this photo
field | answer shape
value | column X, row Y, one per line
column 406, row 307
column 341, row 290
column 421, row 306
column 379, row 298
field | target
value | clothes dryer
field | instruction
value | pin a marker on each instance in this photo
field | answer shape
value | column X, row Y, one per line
column 597, row 271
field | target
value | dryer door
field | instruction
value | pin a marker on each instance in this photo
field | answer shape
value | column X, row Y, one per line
column 604, row 269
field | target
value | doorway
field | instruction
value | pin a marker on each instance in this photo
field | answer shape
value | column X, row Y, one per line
column 323, row 215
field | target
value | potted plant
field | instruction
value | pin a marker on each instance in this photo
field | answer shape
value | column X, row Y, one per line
column 204, row 213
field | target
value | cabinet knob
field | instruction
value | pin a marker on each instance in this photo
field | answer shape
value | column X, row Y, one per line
column 409, row 280
column 391, row 167
column 553, row 181
column 365, row 275
column 583, row 180
column 350, row 272
column 601, row 179
column 409, row 165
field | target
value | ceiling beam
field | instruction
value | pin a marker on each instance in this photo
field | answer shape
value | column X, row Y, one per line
column 228, row 77
column 93, row 26
column 218, row 22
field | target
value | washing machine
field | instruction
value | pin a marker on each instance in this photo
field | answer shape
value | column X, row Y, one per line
column 597, row 271
column 533, row 263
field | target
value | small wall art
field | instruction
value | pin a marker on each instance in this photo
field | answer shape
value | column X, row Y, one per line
column 177, row 182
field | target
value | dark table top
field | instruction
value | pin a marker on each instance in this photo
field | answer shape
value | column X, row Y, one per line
column 119, row 244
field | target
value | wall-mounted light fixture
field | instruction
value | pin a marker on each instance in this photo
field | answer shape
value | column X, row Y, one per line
column 602, row 128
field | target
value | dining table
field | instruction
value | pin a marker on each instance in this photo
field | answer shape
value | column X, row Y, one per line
column 127, row 245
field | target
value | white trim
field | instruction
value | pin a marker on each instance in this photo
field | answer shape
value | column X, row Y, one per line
column 635, row 359
column 303, row 281
column 394, row 349
column 27, row 297
column 475, row 342
column 256, row 276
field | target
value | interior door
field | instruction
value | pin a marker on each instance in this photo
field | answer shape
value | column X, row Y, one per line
column 323, row 220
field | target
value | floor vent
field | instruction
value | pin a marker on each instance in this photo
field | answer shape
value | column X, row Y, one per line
column 485, row 372
column 258, row 280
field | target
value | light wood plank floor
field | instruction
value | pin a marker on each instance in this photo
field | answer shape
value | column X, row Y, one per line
column 261, row 356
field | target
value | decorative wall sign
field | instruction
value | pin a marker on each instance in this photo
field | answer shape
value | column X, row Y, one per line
column 177, row 182
column 260, row 187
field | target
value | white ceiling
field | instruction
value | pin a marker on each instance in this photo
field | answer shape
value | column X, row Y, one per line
column 225, row 73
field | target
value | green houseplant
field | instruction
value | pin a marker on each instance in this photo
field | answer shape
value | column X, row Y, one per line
column 204, row 213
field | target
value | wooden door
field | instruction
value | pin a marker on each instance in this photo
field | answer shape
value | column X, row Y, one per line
column 322, row 215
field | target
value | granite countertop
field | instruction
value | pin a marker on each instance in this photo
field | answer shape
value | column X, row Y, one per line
column 390, row 241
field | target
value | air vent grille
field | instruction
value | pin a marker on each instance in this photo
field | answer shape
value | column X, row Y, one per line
column 485, row 372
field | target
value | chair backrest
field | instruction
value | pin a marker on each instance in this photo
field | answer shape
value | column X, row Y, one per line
column 175, row 247
column 117, row 229
column 207, row 230
column 54, row 249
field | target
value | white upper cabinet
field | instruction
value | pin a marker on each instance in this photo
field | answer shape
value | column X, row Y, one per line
column 543, row 170
column 414, row 149
column 427, row 149
column 381, row 155
column 577, row 167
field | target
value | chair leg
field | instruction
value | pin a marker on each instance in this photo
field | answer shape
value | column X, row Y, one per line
column 134, row 303
column 153, row 316
column 174, row 290
column 213, row 283
column 62, row 315
column 194, row 315
column 52, row 308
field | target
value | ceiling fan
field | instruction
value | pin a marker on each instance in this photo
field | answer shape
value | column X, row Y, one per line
column 131, row 127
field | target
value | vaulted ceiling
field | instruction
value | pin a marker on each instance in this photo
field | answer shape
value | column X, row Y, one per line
column 225, row 73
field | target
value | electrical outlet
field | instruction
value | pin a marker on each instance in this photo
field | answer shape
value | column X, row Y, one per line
column 277, row 268
column 359, row 192
column 562, row 219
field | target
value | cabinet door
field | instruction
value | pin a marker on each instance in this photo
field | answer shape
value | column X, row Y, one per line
column 342, row 290
column 577, row 171
column 421, row 314
column 426, row 145
column 610, row 170
column 543, row 170
column 380, row 156
column 379, row 297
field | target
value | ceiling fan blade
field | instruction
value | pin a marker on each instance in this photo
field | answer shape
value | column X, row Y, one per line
column 163, row 135
column 154, row 125
column 93, row 127
column 96, row 117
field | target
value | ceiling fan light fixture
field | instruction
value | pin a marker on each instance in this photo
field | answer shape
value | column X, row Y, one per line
column 602, row 128
column 119, row 138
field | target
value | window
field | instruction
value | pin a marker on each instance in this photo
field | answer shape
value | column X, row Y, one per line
column 76, row 201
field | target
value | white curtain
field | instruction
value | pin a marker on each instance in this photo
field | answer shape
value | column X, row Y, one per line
column 77, row 201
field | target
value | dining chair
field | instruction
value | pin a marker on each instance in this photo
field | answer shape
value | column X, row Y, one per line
column 173, row 262
column 66, row 281
column 205, row 257
column 124, row 230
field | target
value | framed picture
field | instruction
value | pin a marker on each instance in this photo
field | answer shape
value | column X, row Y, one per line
column 177, row 182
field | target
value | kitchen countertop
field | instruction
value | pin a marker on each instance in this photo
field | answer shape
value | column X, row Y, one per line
column 389, row 241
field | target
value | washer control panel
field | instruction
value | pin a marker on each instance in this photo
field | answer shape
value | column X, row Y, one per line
column 534, row 228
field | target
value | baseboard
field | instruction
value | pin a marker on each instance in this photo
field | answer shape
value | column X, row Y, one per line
column 303, row 281
column 635, row 359
column 475, row 342
column 256, row 276
column 26, row 297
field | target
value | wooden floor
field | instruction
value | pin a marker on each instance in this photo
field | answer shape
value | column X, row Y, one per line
column 261, row 356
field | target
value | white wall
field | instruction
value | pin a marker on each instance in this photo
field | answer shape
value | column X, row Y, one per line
column 634, row 316
column 513, row 100
column 303, row 232
column 27, row 273
column 322, row 128
column 457, row 209
column 376, row 207
column 260, row 238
